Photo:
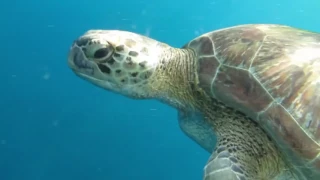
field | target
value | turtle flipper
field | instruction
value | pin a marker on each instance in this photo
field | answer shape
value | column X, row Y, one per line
column 195, row 127
column 243, row 152
column 223, row 165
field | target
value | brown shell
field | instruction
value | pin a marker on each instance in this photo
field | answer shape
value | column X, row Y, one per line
column 272, row 73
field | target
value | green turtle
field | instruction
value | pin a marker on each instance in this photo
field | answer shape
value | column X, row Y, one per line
column 254, row 87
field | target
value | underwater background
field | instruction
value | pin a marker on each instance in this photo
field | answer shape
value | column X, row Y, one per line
column 56, row 126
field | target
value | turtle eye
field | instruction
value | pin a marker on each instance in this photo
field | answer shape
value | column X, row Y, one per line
column 101, row 53
column 98, row 51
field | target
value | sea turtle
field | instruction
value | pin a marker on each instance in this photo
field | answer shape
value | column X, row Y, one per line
column 254, row 87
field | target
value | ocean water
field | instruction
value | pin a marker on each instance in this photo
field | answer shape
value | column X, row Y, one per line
column 56, row 126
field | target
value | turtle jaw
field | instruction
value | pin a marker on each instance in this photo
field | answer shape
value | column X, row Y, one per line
column 87, row 70
column 81, row 66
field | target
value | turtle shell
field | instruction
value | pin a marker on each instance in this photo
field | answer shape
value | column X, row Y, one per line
column 272, row 74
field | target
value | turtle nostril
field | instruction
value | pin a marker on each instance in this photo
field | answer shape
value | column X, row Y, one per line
column 101, row 53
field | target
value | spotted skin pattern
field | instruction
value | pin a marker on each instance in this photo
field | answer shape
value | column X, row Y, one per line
column 123, row 65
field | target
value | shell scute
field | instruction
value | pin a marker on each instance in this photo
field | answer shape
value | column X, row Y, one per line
column 203, row 46
column 237, row 47
column 208, row 66
column 240, row 88
column 280, row 121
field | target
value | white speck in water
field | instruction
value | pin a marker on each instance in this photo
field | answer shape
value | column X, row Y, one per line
column 3, row 142
column 55, row 123
column 143, row 12
column 46, row 76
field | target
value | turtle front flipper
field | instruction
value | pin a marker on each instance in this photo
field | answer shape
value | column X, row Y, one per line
column 222, row 164
column 193, row 124
column 243, row 151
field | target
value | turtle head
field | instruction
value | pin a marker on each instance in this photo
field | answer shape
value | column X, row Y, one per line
column 119, row 61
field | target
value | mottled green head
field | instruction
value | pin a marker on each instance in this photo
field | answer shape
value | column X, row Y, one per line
column 118, row 61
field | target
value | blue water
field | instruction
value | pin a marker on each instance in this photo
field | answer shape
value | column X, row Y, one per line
column 55, row 126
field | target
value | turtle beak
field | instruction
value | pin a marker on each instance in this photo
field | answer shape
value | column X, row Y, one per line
column 74, row 58
column 70, row 59
column 78, row 62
